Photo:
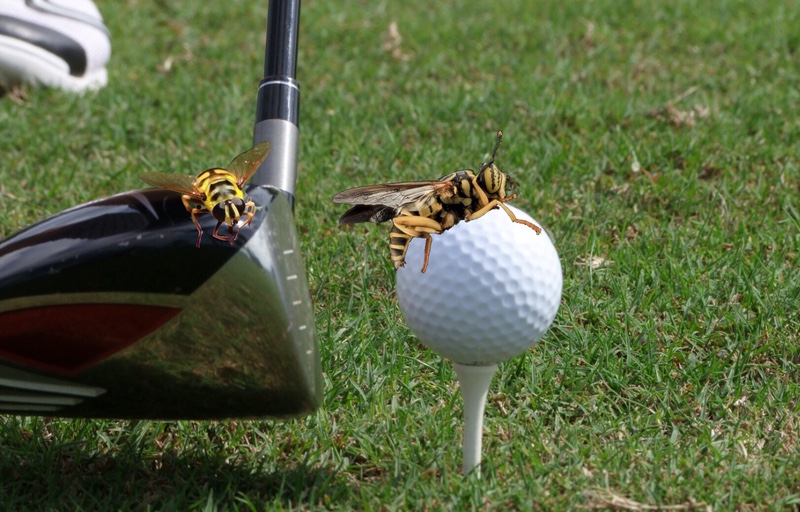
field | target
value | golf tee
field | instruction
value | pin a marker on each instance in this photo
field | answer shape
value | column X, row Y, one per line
column 474, row 382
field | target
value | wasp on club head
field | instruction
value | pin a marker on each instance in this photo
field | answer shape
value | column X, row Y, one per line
column 216, row 191
column 419, row 208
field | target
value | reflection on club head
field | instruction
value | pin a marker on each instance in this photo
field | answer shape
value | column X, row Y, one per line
column 113, row 296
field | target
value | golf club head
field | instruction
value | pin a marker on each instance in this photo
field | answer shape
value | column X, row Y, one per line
column 109, row 310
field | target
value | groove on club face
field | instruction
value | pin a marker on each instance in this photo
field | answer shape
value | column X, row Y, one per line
column 242, row 343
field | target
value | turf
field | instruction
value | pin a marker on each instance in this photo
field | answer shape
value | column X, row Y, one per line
column 658, row 142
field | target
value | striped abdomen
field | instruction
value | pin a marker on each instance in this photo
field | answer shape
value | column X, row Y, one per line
column 398, row 246
column 400, row 238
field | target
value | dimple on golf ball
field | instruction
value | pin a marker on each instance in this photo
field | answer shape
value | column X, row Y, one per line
column 491, row 290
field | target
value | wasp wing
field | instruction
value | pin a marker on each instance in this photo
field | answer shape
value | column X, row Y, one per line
column 177, row 182
column 368, row 213
column 246, row 164
column 394, row 195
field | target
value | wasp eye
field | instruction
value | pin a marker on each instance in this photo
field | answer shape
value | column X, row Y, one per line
column 229, row 211
column 220, row 211
column 237, row 208
column 511, row 185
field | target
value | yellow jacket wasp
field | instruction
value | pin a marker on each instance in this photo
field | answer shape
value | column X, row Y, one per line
column 419, row 208
column 216, row 191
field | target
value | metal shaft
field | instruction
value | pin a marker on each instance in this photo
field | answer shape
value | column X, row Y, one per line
column 279, row 98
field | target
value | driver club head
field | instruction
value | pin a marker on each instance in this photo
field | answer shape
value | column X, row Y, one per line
column 109, row 310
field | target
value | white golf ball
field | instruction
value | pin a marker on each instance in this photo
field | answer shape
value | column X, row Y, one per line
column 491, row 290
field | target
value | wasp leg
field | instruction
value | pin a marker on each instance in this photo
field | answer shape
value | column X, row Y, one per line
column 484, row 203
column 483, row 200
column 496, row 202
column 186, row 202
column 194, row 212
column 407, row 227
column 428, row 242
column 416, row 225
column 249, row 211
column 220, row 237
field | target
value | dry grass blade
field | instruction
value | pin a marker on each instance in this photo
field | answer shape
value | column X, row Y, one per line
column 392, row 41
column 607, row 500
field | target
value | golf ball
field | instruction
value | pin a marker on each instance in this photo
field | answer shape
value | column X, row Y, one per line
column 491, row 290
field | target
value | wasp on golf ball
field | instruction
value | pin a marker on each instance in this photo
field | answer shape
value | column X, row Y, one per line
column 216, row 191
column 419, row 208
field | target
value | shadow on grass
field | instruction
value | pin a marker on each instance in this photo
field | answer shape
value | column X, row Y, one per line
column 38, row 477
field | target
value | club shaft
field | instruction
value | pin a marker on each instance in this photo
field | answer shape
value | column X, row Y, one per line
column 279, row 99
column 279, row 93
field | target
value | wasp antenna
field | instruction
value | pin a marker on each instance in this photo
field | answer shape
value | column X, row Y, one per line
column 497, row 145
column 486, row 165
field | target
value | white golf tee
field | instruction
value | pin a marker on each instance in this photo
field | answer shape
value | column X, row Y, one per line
column 474, row 382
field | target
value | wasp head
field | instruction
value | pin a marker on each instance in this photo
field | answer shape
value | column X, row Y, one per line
column 491, row 179
column 229, row 211
column 494, row 181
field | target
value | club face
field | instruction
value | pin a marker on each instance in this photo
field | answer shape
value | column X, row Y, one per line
column 109, row 310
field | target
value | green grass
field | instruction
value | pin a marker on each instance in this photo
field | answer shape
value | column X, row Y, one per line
column 661, row 138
